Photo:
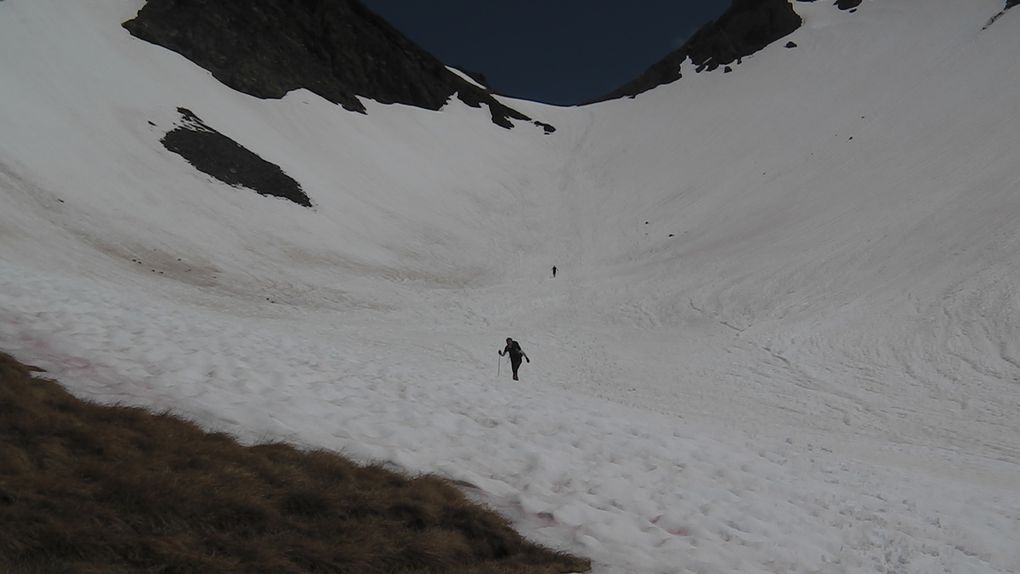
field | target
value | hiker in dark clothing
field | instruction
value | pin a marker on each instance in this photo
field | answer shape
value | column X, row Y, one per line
column 554, row 271
column 513, row 348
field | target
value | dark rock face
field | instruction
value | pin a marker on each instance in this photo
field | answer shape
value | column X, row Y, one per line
column 335, row 48
column 547, row 128
column 215, row 154
column 746, row 27
column 1001, row 13
column 847, row 4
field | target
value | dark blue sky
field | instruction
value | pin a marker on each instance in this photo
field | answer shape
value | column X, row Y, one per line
column 555, row 51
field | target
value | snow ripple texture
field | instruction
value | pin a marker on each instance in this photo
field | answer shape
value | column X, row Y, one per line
column 783, row 337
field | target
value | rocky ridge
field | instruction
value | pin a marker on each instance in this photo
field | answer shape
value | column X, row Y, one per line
column 746, row 27
column 337, row 49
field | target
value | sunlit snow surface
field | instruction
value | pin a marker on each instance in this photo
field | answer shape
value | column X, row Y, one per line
column 819, row 371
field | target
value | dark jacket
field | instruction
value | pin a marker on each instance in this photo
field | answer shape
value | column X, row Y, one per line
column 514, row 349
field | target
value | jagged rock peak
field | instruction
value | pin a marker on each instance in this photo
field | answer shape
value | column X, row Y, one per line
column 338, row 49
column 746, row 27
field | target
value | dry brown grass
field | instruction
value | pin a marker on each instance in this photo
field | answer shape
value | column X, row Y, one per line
column 86, row 488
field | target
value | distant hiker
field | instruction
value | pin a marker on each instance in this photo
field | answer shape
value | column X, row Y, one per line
column 554, row 271
column 513, row 348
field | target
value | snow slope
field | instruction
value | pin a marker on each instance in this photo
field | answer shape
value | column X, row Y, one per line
column 806, row 360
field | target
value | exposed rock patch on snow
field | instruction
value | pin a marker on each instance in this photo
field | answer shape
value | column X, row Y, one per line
column 217, row 155
column 784, row 334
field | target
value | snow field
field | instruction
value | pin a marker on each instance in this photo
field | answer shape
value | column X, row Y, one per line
column 642, row 491
column 816, row 373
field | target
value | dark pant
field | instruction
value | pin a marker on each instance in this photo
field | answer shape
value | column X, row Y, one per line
column 515, row 363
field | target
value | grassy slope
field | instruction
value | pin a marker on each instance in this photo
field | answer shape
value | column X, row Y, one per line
column 91, row 488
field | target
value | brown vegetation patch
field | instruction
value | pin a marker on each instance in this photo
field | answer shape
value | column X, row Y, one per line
column 92, row 488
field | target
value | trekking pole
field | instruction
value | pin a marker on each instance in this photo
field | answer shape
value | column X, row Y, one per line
column 499, row 365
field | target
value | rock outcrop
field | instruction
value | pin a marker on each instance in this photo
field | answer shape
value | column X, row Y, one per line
column 746, row 27
column 337, row 49
column 217, row 155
